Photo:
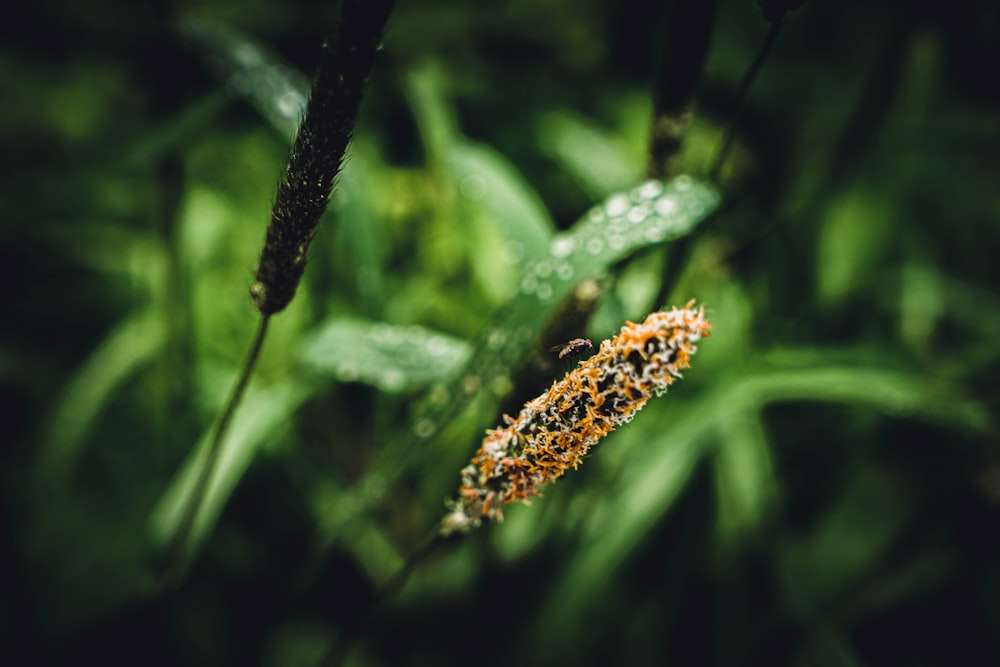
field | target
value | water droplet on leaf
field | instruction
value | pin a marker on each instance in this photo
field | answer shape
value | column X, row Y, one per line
column 424, row 428
column 472, row 187
column 562, row 246
column 666, row 206
column 650, row 189
column 617, row 205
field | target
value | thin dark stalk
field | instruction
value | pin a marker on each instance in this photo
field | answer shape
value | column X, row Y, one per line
column 340, row 649
column 393, row 586
column 689, row 35
column 688, row 39
column 303, row 195
column 681, row 250
column 742, row 94
column 177, row 550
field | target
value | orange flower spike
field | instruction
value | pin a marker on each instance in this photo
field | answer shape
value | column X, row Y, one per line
column 554, row 432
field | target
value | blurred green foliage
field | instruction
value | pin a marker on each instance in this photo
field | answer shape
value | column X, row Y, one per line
column 823, row 488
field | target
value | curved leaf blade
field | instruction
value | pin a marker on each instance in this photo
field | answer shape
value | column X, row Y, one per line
column 653, row 213
column 263, row 413
column 391, row 358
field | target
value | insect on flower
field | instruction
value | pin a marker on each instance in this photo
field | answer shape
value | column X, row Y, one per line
column 553, row 432
column 572, row 348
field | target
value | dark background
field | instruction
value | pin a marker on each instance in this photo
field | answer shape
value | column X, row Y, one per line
column 823, row 489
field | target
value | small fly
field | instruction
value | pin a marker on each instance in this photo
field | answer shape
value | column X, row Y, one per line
column 572, row 348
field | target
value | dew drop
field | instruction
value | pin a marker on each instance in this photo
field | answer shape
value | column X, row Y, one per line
column 696, row 208
column 472, row 187
column 544, row 291
column 394, row 336
column 424, row 428
column 595, row 216
column 247, row 55
column 655, row 234
column 392, row 380
column 512, row 252
column 496, row 339
column 617, row 226
column 347, row 371
column 562, row 246
column 439, row 395
column 564, row 271
column 543, row 269
column 529, row 282
column 650, row 189
column 290, row 104
column 471, row 384
column 501, row 385
column 682, row 183
column 666, row 206
column 616, row 241
column 617, row 205
column 437, row 346
column 381, row 332
column 637, row 214
column 595, row 246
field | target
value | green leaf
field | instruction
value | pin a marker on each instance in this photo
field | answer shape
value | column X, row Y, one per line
column 854, row 235
column 653, row 476
column 859, row 536
column 256, row 425
column 502, row 197
column 359, row 241
column 392, row 358
column 131, row 346
column 655, row 469
column 652, row 213
column 894, row 393
column 481, row 175
column 592, row 156
column 746, row 488
column 435, row 119
column 276, row 89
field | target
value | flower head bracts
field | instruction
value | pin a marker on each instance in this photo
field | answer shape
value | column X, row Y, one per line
column 553, row 432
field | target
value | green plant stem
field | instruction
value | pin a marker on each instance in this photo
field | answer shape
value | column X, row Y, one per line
column 741, row 97
column 177, row 550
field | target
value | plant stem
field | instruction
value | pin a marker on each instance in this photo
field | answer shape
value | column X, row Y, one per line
column 689, row 34
column 741, row 97
column 179, row 547
column 341, row 646
column 679, row 253
column 317, row 154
